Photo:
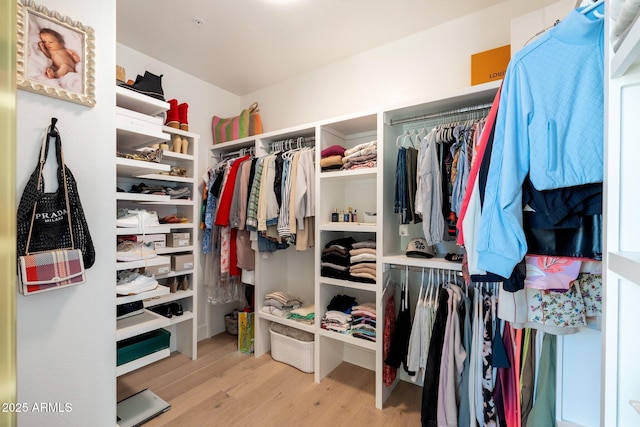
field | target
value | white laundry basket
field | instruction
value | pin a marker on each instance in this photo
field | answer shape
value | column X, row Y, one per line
column 291, row 351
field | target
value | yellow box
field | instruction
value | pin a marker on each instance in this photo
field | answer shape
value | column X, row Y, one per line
column 490, row 65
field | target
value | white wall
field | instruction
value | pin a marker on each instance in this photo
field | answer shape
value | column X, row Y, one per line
column 66, row 351
column 431, row 63
column 204, row 101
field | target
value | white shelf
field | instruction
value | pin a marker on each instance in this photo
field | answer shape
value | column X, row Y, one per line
column 139, row 324
column 440, row 263
column 172, row 250
column 134, row 136
column 142, row 361
column 628, row 52
column 186, row 315
column 167, row 297
column 349, row 226
column 349, row 339
column 626, row 264
column 347, row 284
column 161, row 229
column 175, row 202
column 289, row 322
column 349, row 173
column 238, row 144
column 138, row 197
column 135, row 101
column 127, row 265
column 168, row 154
column 181, row 132
column 169, row 178
column 135, row 168
column 157, row 292
column 173, row 273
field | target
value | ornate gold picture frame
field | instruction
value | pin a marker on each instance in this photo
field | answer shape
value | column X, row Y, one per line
column 55, row 55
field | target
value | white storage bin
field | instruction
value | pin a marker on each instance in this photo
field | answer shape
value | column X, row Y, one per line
column 291, row 351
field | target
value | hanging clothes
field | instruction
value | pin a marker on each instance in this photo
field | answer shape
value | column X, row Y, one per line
column 428, row 201
column 549, row 126
column 402, row 333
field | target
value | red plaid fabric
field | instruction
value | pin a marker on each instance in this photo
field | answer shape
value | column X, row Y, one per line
column 52, row 269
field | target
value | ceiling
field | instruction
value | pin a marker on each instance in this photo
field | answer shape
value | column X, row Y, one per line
column 245, row 45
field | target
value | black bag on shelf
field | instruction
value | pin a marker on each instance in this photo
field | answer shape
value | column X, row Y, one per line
column 48, row 211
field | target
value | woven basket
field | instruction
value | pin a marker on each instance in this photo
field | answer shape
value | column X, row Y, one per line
column 298, row 354
column 231, row 323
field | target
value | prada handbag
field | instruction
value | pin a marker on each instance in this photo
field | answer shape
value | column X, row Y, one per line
column 247, row 123
column 53, row 243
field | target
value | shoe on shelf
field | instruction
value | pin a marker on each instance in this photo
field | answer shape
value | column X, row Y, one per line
column 184, row 282
column 185, row 145
column 173, row 219
column 149, row 84
column 182, row 114
column 173, row 285
column 178, row 192
column 137, row 218
column 176, row 309
column 176, row 143
column 173, row 119
column 136, row 284
column 163, row 310
column 128, row 251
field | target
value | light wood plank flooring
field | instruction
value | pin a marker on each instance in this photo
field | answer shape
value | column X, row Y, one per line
column 224, row 387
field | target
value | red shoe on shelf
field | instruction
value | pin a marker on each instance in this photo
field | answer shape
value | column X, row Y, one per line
column 182, row 116
column 173, row 116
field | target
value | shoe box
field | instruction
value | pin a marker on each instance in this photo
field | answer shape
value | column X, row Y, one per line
column 182, row 262
column 142, row 345
column 176, row 240
column 158, row 269
column 140, row 123
column 159, row 240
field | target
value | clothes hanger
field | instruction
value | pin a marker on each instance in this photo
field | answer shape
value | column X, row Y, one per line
column 592, row 7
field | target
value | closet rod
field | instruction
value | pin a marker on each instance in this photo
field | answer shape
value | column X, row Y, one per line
column 441, row 114
column 419, row 269
column 237, row 153
column 287, row 144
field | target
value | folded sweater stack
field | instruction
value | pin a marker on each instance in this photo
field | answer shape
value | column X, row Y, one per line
column 335, row 258
column 280, row 303
column 363, row 321
column 304, row 314
column 363, row 155
column 338, row 315
column 331, row 157
column 362, row 259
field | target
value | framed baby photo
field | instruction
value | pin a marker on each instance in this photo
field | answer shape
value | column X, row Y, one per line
column 55, row 55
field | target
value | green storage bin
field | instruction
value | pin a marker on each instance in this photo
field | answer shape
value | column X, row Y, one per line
column 142, row 345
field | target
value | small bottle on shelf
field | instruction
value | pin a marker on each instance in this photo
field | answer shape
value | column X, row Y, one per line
column 354, row 217
column 334, row 215
column 347, row 215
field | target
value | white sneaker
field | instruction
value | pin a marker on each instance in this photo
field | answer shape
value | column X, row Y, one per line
column 137, row 218
column 139, row 283
column 135, row 251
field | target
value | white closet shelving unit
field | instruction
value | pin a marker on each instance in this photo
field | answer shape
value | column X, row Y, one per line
column 139, row 125
column 341, row 190
column 286, row 270
column 621, row 371
column 394, row 261
column 365, row 190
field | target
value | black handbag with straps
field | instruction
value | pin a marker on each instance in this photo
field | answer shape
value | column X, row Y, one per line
column 56, row 220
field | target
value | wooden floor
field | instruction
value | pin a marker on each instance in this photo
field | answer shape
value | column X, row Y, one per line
column 224, row 387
